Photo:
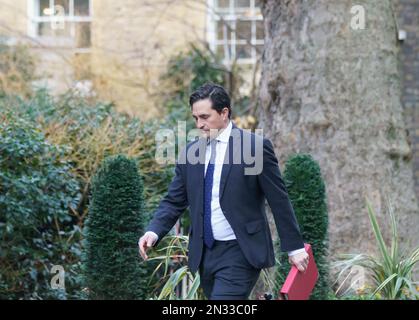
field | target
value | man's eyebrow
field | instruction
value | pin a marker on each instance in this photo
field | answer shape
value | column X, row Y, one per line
column 201, row 115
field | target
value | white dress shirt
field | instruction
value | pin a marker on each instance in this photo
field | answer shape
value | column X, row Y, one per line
column 221, row 228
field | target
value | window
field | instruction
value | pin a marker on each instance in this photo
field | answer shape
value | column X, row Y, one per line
column 61, row 22
column 235, row 29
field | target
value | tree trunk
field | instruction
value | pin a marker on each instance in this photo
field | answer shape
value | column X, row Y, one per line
column 335, row 92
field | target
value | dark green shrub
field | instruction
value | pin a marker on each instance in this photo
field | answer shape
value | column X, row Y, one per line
column 87, row 132
column 93, row 131
column 307, row 193
column 115, row 222
column 36, row 229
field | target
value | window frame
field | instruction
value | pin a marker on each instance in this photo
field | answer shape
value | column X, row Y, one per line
column 233, row 14
column 56, row 41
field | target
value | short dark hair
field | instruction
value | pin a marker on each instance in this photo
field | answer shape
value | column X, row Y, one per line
column 215, row 93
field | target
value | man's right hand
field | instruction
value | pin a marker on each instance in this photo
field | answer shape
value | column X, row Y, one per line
column 145, row 242
column 300, row 260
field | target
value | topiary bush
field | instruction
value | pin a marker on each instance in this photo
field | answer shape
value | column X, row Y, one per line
column 306, row 189
column 116, row 219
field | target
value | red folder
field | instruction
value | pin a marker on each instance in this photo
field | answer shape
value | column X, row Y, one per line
column 299, row 285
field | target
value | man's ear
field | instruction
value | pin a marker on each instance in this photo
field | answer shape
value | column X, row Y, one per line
column 225, row 113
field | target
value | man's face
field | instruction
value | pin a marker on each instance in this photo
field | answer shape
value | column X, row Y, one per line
column 206, row 118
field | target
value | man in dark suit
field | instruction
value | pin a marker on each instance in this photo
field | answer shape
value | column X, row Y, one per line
column 229, row 240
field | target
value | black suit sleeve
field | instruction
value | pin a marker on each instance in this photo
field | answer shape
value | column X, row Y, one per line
column 275, row 192
column 171, row 207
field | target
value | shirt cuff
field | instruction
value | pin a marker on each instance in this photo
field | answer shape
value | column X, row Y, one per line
column 155, row 234
column 294, row 252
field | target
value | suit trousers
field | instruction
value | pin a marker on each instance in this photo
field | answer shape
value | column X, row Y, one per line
column 225, row 273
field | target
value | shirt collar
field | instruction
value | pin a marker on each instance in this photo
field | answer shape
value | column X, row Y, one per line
column 225, row 134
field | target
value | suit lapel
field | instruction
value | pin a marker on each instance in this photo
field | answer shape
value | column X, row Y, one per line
column 198, row 171
column 232, row 152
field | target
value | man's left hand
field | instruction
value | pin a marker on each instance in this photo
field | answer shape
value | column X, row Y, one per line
column 300, row 260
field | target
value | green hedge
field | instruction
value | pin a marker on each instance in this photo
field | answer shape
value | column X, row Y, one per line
column 36, row 229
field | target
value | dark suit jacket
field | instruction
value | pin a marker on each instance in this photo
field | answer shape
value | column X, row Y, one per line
column 242, row 200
